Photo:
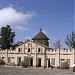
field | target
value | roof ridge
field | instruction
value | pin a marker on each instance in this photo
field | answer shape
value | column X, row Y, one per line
column 40, row 35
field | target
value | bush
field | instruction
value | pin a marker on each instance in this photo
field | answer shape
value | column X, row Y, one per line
column 2, row 62
column 12, row 64
column 65, row 65
column 58, row 67
column 25, row 63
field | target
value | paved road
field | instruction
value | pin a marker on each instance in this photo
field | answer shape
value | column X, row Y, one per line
column 30, row 71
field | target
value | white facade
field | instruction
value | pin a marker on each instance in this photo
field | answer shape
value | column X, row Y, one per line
column 40, row 55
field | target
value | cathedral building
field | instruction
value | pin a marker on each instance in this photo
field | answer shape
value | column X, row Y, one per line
column 39, row 53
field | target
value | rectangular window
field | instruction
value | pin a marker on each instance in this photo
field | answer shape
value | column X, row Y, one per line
column 31, row 44
column 52, row 61
column 24, row 50
column 28, row 44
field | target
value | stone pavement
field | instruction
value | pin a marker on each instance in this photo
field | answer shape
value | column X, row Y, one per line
column 31, row 71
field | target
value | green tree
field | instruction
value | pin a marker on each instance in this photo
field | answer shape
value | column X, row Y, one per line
column 70, row 40
column 6, row 37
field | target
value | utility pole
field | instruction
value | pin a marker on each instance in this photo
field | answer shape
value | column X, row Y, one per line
column 59, row 57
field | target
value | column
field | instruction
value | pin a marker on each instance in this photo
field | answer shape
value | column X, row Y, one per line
column 44, row 58
column 35, row 58
column 6, row 56
column 57, row 61
column 16, row 60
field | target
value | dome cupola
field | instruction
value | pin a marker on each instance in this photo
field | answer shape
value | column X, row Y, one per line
column 41, row 38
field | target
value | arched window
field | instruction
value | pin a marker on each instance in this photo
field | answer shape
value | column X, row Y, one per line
column 28, row 44
column 28, row 50
column 39, row 50
column 19, row 49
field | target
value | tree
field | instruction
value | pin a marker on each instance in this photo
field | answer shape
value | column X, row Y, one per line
column 70, row 40
column 57, row 44
column 6, row 37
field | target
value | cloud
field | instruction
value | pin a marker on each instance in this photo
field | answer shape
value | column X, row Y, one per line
column 18, row 20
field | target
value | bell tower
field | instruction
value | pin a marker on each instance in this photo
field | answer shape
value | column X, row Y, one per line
column 41, row 38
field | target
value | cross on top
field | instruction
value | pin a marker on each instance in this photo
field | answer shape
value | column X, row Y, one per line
column 41, row 27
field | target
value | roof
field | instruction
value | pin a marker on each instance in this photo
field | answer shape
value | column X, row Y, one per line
column 40, row 35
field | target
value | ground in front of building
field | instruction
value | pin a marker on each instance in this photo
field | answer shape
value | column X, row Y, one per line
column 33, row 71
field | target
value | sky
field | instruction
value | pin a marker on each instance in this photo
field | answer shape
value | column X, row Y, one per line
column 56, row 18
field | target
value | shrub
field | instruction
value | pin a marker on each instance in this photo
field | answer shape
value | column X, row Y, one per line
column 58, row 67
column 2, row 62
column 65, row 65
column 25, row 63
column 12, row 64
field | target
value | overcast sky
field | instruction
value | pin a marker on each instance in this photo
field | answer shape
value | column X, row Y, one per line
column 26, row 16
